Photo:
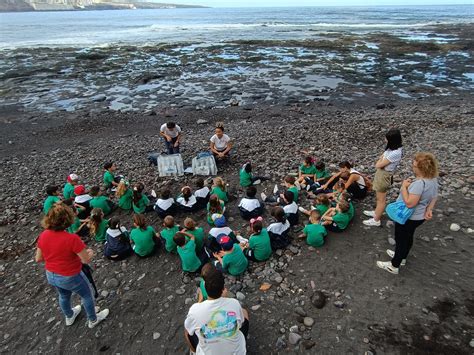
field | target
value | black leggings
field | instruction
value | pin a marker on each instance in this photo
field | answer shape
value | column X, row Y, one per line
column 404, row 240
column 194, row 340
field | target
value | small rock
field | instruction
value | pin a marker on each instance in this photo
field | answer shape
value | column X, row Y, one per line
column 294, row 338
column 308, row 321
column 280, row 344
column 293, row 329
column 300, row 311
column 366, row 340
column 455, row 227
column 156, row 336
column 339, row 304
column 265, row 286
column 188, row 301
column 308, row 344
column 380, row 106
column 180, row 291
column 201, row 121
column 240, row 296
column 256, row 307
column 104, row 293
column 471, row 343
column 113, row 283
column 391, row 241
column 318, row 299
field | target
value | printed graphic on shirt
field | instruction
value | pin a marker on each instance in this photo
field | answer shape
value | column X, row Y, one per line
column 223, row 324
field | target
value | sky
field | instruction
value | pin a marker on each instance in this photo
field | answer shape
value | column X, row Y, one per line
column 263, row 3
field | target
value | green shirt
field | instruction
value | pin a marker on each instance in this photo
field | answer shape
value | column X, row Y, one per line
column 220, row 193
column 260, row 244
column 140, row 206
column 167, row 234
column 294, row 189
column 308, row 170
column 322, row 174
column 68, row 191
column 49, row 202
column 102, row 203
column 108, row 178
column 198, row 234
column 126, row 200
column 235, row 263
column 245, row 178
column 143, row 240
column 203, row 289
column 189, row 261
column 75, row 226
column 351, row 211
column 322, row 209
column 341, row 219
column 100, row 233
column 315, row 234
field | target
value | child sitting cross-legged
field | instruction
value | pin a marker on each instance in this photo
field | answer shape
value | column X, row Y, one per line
column 202, row 193
column 53, row 196
column 186, row 200
column 99, row 201
column 165, row 205
column 141, row 202
column 246, row 177
column 278, row 231
column 198, row 233
column 117, row 246
column 187, row 252
column 231, row 258
column 144, row 238
column 258, row 247
column 82, row 201
column 250, row 206
column 68, row 190
column 278, row 196
column 98, row 225
column 168, row 232
column 290, row 208
column 336, row 219
column 314, row 232
column 220, row 227
column 321, row 204
column 214, row 206
column 219, row 189
column 125, row 195
column 206, row 270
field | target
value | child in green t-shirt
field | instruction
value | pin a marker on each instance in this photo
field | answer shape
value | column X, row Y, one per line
column 214, row 206
column 53, row 196
column 321, row 203
column 258, row 247
column 140, row 201
column 186, row 248
column 289, row 182
column 99, row 201
column 246, row 177
column 110, row 180
column 98, row 225
column 219, row 189
column 307, row 170
column 125, row 196
column 337, row 219
column 68, row 190
column 321, row 175
column 197, row 232
column 168, row 232
column 314, row 232
column 78, row 227
column 231, row 259
column 144, row 238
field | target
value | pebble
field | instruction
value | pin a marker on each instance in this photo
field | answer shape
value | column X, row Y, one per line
column 280, row 344
column 339, row 304
column 256, row 307
column 455, row 227
column 471, row 343
column 391, row 241
column 180, row 291
column 201, row 121
column 240, row 296
column 366, row 340
column 156, row 336
column 318, row 299
column 113, row 283
column 300, row 311
column 308, row 321
column 294, row 338
column 188, row 301
column 104, row 293
column 308, row 344
column 293, row 328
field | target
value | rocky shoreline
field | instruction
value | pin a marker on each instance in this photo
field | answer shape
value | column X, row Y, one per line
column 427, row 308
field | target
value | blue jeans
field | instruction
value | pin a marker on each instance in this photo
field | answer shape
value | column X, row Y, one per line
column 171, row 149
column 66, row 286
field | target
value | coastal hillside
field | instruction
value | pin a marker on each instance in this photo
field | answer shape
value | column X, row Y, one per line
column 65, row 5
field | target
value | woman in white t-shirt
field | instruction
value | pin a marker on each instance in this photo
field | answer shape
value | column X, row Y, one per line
column 386, row 166
column 221, row 143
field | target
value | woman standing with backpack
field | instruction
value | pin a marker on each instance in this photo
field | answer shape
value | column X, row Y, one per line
column 383, row 180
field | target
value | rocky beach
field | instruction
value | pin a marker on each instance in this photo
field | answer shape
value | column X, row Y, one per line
column 332, row 95
column 427, row 308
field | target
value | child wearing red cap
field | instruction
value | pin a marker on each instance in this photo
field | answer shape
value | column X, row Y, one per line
column 82, row 201
column 231, row 259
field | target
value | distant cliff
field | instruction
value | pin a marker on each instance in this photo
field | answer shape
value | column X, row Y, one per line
column 67, row 5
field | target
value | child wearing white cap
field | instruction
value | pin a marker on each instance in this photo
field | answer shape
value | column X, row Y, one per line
column 68, row 190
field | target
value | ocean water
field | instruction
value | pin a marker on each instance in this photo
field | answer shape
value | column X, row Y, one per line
column 211, row 25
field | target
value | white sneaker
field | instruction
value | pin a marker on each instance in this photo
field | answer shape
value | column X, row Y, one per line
column 100, row 317
column 372, row 223
column 391, row 254
column 308, row 187
column 369, row 213
column 257, row 182
column 275, row 189
column 153, row 193
column 263, row 196
column 76, row 310
column 313, row 208
column 387, row 265
column 302, row 210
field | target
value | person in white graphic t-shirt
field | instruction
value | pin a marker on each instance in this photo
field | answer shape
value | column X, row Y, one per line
column 219, row 325
column 221, row 144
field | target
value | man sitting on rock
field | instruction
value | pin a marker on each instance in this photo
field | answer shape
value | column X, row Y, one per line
column 218, row 325
column 171, row 132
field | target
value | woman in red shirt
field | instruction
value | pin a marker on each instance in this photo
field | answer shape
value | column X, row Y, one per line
column 63, row 254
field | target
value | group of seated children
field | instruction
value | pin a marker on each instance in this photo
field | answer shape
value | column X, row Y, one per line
column 331, row 210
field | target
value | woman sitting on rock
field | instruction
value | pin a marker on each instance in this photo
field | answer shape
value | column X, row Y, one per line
column 355, row 183
column 421, row 195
